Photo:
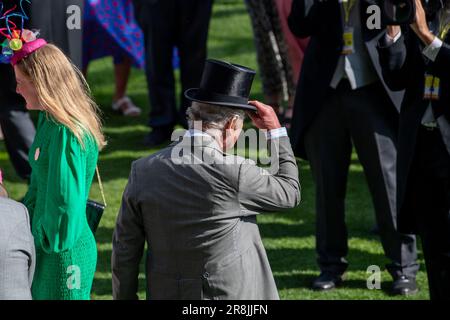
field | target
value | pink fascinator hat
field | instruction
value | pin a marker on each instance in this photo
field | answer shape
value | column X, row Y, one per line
column 19, row 42
column 27, row 49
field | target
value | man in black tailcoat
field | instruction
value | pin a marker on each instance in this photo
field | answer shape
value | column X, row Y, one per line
column 416, row 59
column 342, row 101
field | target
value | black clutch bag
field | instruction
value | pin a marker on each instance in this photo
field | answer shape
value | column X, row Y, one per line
column 94, row 213
column 94, row 210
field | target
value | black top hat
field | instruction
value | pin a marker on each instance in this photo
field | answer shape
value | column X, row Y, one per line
column 224, row 84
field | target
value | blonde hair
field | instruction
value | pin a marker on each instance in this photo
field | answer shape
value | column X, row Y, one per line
column 63, row 92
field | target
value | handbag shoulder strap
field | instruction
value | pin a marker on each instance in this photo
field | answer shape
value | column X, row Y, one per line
column 100, row 185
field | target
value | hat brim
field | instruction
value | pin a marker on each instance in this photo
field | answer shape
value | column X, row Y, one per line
column 191, row 93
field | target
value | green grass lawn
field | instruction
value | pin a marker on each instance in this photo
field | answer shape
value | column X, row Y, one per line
column 288, row 237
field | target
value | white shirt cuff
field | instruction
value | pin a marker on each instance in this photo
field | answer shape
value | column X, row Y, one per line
column 276, row 133
column 431, row 51
column 390, row 40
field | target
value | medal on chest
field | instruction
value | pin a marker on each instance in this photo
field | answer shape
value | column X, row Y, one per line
column 36, row 154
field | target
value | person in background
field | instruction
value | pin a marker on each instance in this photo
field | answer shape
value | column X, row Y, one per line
column 416, row 58
column 110, row 29
column 342, row 101
column 167, row 24
column 273, row 60
column 17, row 252
column 296, row 48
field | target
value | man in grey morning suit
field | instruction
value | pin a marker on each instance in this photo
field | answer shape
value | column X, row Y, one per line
column 196, row 206
column 17, row 255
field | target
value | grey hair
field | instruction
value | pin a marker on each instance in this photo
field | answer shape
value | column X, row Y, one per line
column 211, row 116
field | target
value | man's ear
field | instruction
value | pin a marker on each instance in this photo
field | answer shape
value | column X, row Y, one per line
column 232, row 123
column 228, row 125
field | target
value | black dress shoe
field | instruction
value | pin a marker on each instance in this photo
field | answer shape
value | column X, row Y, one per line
column 157, row 137
column 327, row 281
column 404, row 286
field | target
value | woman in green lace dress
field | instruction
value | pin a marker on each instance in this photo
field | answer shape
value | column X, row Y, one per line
column 63, row 158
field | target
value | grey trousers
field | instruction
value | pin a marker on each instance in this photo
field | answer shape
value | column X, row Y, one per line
column 367, row 118
column 51, row 17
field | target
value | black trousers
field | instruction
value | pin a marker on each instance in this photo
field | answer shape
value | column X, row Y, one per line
column 367, row 118
column 169, row 23
column 429, row 191
column 17, row 127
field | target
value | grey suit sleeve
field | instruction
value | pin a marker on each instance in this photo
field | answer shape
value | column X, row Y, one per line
column 261, row 190
column 17, row 261
column 128, row 244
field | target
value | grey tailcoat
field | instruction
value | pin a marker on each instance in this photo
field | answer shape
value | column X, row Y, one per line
column 17, row 254
column 199, row 223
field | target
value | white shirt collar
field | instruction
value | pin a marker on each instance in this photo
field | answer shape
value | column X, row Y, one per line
column 196, row 133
